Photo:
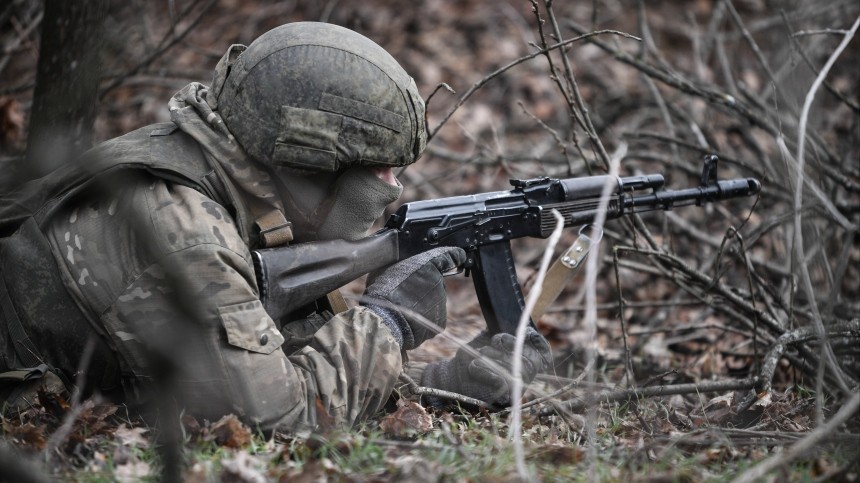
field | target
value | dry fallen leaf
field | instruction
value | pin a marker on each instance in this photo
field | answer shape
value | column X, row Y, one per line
column 132, row 437
column 558, row 453
column 242, row 468
column 133, row 470
column 325, row 421
column 410, row 418
column 725, row 399
column 230, row 432
column 54, row 403
column 29, row 434
column 416, row 469
column 311, row 472
column 763, row 399
column 97, row 419
column 199, row 472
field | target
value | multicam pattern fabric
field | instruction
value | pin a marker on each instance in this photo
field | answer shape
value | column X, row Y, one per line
column 164, row 273
column 190, row 111
column 163, row 270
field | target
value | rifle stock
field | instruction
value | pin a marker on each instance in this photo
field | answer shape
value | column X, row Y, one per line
column 290, row 277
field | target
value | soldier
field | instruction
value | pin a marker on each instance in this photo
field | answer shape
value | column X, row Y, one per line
column 151, row 240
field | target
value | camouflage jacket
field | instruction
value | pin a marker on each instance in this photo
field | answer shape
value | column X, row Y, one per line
column 164, row 274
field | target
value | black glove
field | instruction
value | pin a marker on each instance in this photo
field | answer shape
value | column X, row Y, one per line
column 410, row 293
column 471, row 376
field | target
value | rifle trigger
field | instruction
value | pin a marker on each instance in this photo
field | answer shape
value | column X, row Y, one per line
column 453, row 271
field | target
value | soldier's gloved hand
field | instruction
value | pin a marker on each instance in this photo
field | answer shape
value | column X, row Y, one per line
column 472, row 376
column 411, row 293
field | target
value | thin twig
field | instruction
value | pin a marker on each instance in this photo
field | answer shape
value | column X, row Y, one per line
column 806, row 280
column 705, row 281
column 801, row 33
column 22, row 35
column 736, row 18
column 649, row 47
column 517, row 362
column 170, row 39
column 628, row 359
column 793, row 37
column 514, row 63
column 577, row 95
column 573, row 113
column 414, row 388
column 440, row 85
column 65, row 429
column 775, row 353
column 821, row 433
column 655, row 391
column 558, row 392
column 555, row 136
column 712, row 96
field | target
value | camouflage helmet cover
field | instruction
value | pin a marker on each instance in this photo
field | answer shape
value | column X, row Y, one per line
column 319, row 97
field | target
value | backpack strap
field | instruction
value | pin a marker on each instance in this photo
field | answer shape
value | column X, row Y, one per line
column 24, row 374
column 19, row 388
column 26, row 351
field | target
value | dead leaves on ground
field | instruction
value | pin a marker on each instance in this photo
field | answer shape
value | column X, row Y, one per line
column 410, row 419
column 28, row 434
column 33, row 427
column 229, row 432
column 103, row 442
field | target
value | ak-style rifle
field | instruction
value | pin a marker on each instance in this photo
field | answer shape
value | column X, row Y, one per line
column 482, row 224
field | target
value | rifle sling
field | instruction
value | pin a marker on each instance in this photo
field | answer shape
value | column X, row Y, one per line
column 562, row 271
column 336, row 301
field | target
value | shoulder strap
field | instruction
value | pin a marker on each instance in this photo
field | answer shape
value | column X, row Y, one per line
column 24, row 347
column 175, row 156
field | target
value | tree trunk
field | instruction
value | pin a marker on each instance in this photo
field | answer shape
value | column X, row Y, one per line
column 67, row 84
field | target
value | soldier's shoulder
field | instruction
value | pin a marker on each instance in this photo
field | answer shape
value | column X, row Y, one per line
column 184, row 217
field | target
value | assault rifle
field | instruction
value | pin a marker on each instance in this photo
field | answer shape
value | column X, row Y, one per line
column 483, row 225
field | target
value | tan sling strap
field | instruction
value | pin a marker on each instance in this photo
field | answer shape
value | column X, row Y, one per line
column 337, row 302
column 565, row 267
column 275, row 230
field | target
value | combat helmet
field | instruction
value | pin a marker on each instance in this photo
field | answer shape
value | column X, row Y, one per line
column 318, row 97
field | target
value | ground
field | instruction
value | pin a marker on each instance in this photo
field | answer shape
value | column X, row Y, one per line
column 700, row 296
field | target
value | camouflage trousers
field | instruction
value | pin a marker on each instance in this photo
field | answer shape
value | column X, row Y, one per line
column 348, row 371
